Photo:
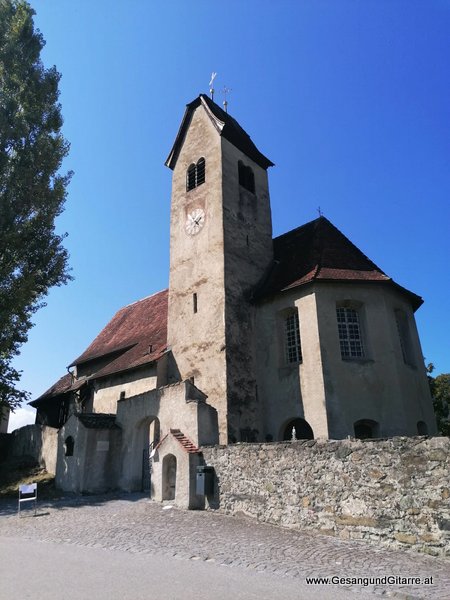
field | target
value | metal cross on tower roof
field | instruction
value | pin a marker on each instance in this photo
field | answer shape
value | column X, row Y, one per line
column 225, row 91
column 211, row 84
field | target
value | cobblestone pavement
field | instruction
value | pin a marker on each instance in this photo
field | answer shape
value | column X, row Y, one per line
column 135, row 524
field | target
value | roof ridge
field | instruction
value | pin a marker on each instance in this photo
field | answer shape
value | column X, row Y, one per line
column 309, row 223
column 142, row 299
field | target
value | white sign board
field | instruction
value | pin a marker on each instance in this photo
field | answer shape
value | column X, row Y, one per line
column 28, row 489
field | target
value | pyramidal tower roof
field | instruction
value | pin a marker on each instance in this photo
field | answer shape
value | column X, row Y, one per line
column 318, row 251
column 225, row 125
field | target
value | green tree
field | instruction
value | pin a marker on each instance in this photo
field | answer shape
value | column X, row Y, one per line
column 440, row 391
column 32, row 191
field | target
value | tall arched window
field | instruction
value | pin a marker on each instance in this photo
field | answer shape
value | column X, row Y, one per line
column 195, row 174
column 293, row 349
column 246, row 177
column 350, row 336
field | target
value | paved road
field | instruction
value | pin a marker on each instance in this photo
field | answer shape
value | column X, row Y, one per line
column 161, row 546
column 56, row 571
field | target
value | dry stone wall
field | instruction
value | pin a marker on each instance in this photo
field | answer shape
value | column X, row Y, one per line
column 394, row 491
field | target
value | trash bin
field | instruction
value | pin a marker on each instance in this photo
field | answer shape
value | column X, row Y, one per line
column 205, row 481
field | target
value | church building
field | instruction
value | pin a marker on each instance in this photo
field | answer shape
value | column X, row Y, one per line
column 256, row 339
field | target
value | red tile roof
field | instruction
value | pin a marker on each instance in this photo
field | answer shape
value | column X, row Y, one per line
column 137, row 334
column 318, row 251
column 60, row 387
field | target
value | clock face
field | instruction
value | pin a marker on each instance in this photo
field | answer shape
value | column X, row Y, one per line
column 195, row 221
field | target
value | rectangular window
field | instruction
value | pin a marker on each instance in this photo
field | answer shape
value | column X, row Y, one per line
column 194, row 302
column 292, row 339
column 350, row 339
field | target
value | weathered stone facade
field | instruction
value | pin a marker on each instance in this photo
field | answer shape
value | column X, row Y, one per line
column 220, row 266
column 395, row 491
column 256, row 339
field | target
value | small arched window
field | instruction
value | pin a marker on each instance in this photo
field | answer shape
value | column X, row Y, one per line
column 195, row 174
column 246, row 177
column 69, row 446
column 422, row 428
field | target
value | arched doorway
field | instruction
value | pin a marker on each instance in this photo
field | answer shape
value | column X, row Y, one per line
column 366, row 429
column 169, row 477
column 298, row 429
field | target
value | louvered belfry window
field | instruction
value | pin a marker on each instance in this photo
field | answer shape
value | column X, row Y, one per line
column 201, row 171
column 195, row 174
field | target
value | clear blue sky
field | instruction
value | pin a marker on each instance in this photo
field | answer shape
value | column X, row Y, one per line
column 349, row 99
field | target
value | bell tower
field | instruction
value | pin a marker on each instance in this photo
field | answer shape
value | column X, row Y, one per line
column 220, row 248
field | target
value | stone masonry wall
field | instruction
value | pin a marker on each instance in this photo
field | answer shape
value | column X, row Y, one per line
column 37, row 441
column 394, row 491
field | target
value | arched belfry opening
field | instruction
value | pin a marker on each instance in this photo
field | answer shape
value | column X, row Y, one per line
column 169, row 477
column 297, row 429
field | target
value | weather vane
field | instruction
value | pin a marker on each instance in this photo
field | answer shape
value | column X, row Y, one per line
column 225, row 91
column 319, row 210
column 211, row 84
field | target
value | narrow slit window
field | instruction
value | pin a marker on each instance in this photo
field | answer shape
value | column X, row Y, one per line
column 194, row 302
